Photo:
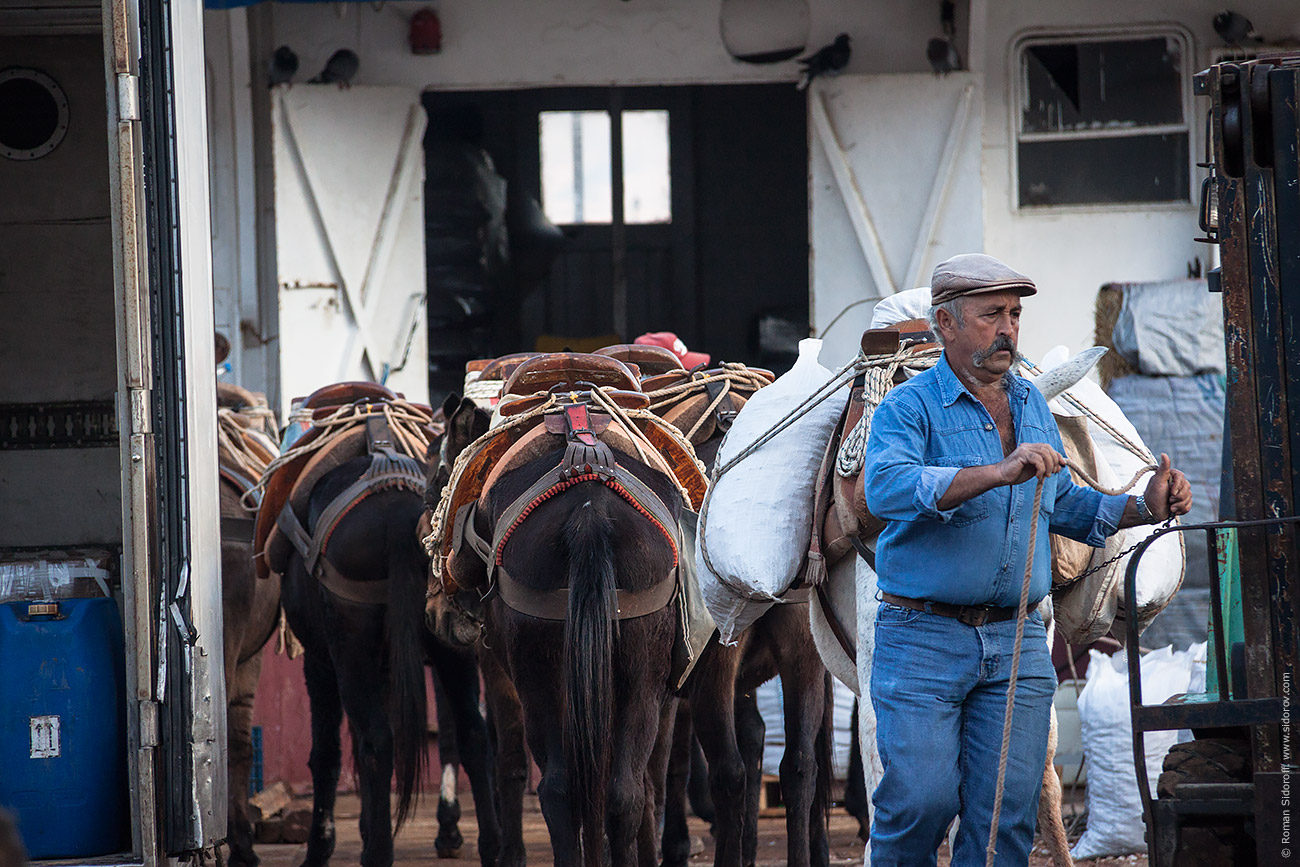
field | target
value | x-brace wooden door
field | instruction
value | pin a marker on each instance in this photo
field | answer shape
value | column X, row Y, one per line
column 349, row 200
column 894, row 189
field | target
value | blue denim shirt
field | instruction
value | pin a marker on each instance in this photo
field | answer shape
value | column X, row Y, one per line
column 922, row 434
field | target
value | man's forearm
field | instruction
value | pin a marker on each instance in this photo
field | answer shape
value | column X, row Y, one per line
column 1131, row 518
column 969, row 483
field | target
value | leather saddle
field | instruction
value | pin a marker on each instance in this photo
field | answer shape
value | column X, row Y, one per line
column 700, row 390
column 573, row 373
column 647, row 360
column 289, row 488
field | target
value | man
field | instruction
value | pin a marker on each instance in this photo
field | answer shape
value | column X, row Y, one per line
column 952, row 463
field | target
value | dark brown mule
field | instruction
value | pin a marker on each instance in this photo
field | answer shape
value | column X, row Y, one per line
column 359, row 617
column 593, row 688
column 250, row 613
column 726, row 721
column 461, row 627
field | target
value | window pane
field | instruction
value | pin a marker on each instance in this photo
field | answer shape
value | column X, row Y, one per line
column 647, row 188
column 575, row 151
column 1097, row 85
column 1129, row 169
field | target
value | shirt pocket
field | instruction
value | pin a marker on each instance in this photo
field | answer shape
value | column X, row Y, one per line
column 976, row 508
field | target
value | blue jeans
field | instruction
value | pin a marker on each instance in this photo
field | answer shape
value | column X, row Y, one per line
column 939, row 688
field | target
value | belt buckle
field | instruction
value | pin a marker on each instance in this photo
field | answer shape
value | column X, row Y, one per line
column 973, row 615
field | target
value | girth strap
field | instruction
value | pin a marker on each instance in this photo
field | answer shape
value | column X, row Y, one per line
column 237, row 529
column 554, row 604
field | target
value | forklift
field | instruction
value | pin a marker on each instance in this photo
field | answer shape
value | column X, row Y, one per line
column 1227, row 797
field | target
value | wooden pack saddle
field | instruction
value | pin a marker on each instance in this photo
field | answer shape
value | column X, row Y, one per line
column 333, row 438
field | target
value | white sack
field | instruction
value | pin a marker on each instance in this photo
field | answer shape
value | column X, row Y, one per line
column 1160, row 572
column 1115, row 824
column 757, row 521
column 902, row 306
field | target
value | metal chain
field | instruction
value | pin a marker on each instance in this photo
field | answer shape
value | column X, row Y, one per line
column 1168, row 522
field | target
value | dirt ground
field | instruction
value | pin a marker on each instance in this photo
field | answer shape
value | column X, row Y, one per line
column 414, row 845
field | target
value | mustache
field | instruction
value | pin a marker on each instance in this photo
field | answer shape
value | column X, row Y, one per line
column 998, row 345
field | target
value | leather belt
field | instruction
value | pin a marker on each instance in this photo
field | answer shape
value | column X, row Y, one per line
column 971, row 615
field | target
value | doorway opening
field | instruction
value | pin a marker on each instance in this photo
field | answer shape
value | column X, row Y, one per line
column 575, row 217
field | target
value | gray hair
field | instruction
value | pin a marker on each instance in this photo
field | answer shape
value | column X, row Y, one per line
column 956, row 309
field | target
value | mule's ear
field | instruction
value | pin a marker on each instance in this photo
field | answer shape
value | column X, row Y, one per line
column 466, row 423
column 1053, row 383
column 450, row 405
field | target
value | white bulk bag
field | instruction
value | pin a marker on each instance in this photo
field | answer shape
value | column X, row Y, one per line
column 1160, row 571
column 757, row 521
column 1114, row 803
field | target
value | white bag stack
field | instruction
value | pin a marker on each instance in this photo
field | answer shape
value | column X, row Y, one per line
column 1115, row 824
column 756, row 524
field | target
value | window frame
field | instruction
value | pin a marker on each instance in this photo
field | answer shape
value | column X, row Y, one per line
column 616, row 116
column 1015, row 114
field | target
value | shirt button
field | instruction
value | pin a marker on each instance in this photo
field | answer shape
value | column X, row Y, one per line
column 988, row 426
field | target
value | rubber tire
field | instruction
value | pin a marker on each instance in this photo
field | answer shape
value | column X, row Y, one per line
column 1209, row 760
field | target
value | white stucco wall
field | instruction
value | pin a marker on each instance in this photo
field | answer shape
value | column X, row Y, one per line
column 525, row 43
column 1072, row 252
column 490, row 44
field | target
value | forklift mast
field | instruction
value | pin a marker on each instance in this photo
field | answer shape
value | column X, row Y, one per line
column 1210, row 809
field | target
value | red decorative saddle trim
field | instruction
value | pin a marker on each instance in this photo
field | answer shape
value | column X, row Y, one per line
column 564, row 485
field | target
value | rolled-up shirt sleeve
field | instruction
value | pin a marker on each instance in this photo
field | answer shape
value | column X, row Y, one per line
column 1083, row 514
column 897, row 484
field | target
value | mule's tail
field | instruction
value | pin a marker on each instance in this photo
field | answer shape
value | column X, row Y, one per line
column 589, row 633
column 409, row 711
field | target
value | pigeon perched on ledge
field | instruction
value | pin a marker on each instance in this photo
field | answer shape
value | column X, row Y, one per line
column 284, row 66
column 827, row 60
column 1235, row 28
column 339, row 69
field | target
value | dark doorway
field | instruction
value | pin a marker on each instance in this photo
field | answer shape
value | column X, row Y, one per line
column 679, row 209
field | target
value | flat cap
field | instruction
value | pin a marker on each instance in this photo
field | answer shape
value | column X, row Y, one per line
column 973, row 274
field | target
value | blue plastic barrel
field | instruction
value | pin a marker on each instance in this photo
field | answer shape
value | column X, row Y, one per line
column 63, row 726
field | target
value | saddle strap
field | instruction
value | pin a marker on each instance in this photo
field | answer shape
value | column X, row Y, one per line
column 837, row 628
column 554, row 604
column 388, row 469
column 237, row 529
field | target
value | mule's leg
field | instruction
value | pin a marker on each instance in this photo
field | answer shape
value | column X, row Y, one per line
column 713, row 712
column 511, row 757
column 750, row 733
column 449, row 841
column 557, row 802
column 804, row 692
column 677, row 836
column 365, row 694
column 239, row 737
column 655, row 780
column 636, row 734
column 326, row 717
column 458, row 674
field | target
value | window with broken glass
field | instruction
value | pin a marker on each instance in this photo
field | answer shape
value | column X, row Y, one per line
column 1102, row 121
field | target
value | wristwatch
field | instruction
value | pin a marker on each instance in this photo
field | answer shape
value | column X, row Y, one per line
column 1144, row 511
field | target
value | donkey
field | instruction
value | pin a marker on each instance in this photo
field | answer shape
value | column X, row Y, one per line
column 593, row 688
column 726, row 721
column 250, row 614
column 366, row 659
column 464, row 633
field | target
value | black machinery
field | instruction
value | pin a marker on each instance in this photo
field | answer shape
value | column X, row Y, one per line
column 1227, row 797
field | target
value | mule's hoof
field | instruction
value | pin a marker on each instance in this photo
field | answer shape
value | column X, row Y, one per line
column 444, row 851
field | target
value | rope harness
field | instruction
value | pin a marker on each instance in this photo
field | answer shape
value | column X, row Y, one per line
column 244, row 450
